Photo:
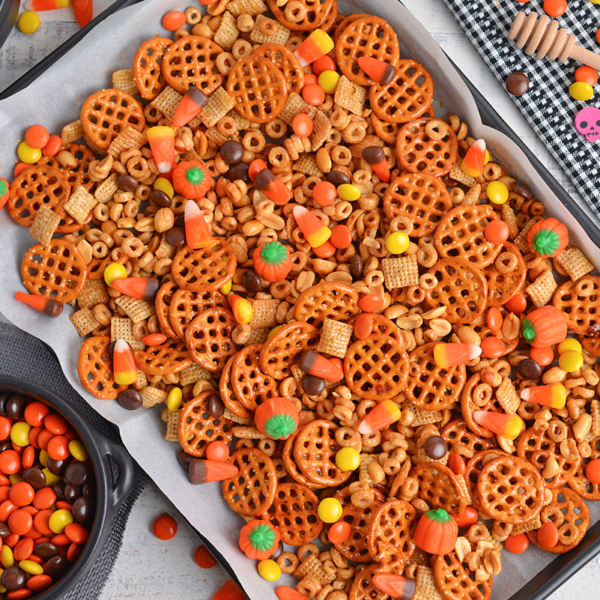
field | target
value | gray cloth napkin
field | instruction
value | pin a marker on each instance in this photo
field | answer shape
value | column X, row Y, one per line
column 23, row 356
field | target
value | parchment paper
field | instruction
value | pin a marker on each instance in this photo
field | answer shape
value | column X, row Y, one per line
column 56, row 98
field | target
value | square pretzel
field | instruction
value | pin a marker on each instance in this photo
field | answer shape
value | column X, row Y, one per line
column 507, row 396
column 135, row 308
column 106, row 190
column 72, row 132
column 44, row 226
column 84, row 321
column 152, row 396
column 227, row 31
column 335, row 337
column 400, row 272
column 574, row 262
column 123, row 80
column 94, row 292
column 542, row 289
column 263, row 313
column 80, row 204
column 172, row 434
column 121, row 328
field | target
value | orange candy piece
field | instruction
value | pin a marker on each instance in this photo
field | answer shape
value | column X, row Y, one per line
column 474, row 159
column 326, row 250
column 542, row 356
column 371, row 302
column 517, row 304
column 197, row 231
column 555, row 8
column 492, row 347
column 53, row 146
column 173, row 20
column 124, row 367
column 165, row 527
column 217, row 451
column 339, row 532
column 37, row 136
column 230, row 591
column 363, row 326
column 313, row 94
column 341, row 237
column 468, row 518
column 287, row 593
column 457, row 463
column 203, row 558
column 592, row 470
column 517, row 544
column 302, row 125
column 496, row 231
column 493, row 318
column 586, row 74
column 548, row 535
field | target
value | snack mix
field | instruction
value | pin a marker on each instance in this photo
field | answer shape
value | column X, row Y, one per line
column 266, row 232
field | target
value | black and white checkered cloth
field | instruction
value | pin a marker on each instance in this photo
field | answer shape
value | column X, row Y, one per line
column 547, row 105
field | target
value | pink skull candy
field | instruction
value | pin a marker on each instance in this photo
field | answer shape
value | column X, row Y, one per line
column 587, row 123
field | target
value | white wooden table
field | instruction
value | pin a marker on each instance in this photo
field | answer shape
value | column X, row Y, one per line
column 147, row 567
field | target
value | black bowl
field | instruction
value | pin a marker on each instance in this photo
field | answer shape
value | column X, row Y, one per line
column 9, row 9
column 111, row 491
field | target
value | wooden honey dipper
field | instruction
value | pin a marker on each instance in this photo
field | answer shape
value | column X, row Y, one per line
column 544, row 38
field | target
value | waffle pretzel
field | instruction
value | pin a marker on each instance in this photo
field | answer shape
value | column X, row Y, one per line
column 228, row 395
column 537, row 448
column 287, row 455
column 327, row 299
column 250, row 385
column 35, row 187
column 439, row 487
column 162, row 302
column 418, row 153
column 106, row 113
column 191, row 60
column 94, row 367
column 170, row 357
column 186, row 305
column 419, row 197
column 580, row 483
column 356, row 547
column 284, row 348
column 428, row 386
column 408, row 95
column 571, row 516
column 252, row 491
column 258, row 88
column 345, row 22
column 286, row 62
column 591, row 344
column 391, row 531
column 383, row 326
column 197, row 428
column 77, row 175
column 469, row 406
column 205, row 269
column 294, row 514
column 459, row 234
column 363, row 587
column 208, row 338
column 460, row 437
column 457, row 582
column 314, row 451
column 579, row 310
column 147, row 73
column 461, row 288
column 317, row 12
column 376, row 368
column 503, row 286
column 367, row 36
column 56, row 271
column 472, row 472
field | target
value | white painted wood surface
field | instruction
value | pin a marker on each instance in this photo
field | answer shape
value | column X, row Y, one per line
column 147, row 567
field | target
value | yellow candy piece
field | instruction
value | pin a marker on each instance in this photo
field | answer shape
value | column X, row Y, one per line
column 348, row 192
column 29, row 22
column 6, row 557
column 347, row 459
column 44, row 456
column 274, row 331
column 15, row 478
column 227, row 287
column 50, row 477
column 570, row 361
column 397, row 242
column 59, row 520
column 497, row 192
column 174, row 399
column 19, row 433
column 31, row 567
column 78, row 450
column 330, row 510
column 581, row 91
column 28, row 154
column 569, row 344
column 164, row 185
column 328, row 80
column 269, row 570
column 113, row 272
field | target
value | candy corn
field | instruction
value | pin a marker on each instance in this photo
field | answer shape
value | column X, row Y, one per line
column 396, row 586
column 451, row 355
column 508, row 426
column 313, row 228
column 124, row 367
column 376, row 69
column 474, row 159
column 376, row 159
column 162, row 144
column 197, row 233
column 287, row 593
column 190, row 106
column 255, row 167
column 206, row 471
column 42, row 5
column 144, row 288
column 554, row 396
column 382, row 415
column 83, row 11
column 313, row 363
column 48, row 306
column 272, row 187
column 241, row 308
column 316, row 45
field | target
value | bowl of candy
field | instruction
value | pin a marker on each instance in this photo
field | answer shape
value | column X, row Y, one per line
column 9, row 9
column 58, row 493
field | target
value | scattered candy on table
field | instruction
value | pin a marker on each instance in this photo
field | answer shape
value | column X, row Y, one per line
column 517, row 84
column 165, row 527
column 587, row 123
column 28, row 22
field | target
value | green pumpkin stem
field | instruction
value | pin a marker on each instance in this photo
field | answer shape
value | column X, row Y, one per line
column 262, row 538
column 273, row 253
column 3, row 188
column 545, row 242
column 528, row 330
column 280, row 426
column 194, row 175
column 439, row 515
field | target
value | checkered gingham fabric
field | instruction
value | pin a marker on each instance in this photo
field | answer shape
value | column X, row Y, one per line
column 547, row 105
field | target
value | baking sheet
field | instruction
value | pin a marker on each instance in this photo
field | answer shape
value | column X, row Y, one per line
column 63, row 88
